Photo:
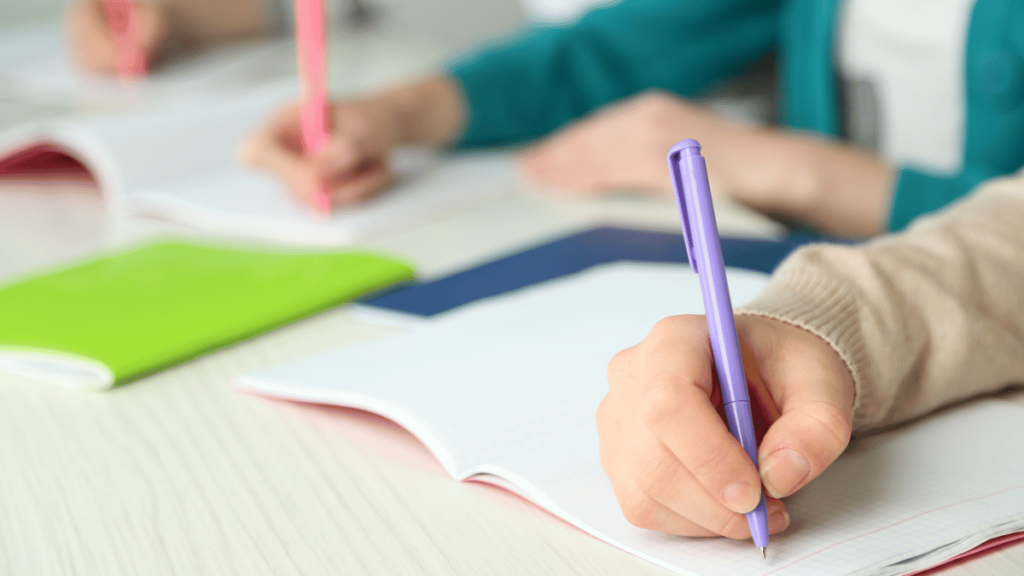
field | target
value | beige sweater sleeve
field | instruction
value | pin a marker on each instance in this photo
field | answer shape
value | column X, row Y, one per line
column 923, row 318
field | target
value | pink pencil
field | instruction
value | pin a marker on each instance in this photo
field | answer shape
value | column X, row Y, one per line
column 131, row 62
column 310, row 44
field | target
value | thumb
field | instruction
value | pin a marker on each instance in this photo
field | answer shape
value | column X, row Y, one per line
column 815, row 392
column 360, row 132
column 800, row 446
column 340, row 156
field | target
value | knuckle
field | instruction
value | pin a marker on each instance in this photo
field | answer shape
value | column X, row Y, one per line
column 618, row 367
column 639, row 509
column 706, row 459
column 657, row 104
column 677, row 326
column 666, row 327
column 731, row 525
column 654, row 98
column 660, row 404
column 358, row 122
column 341, row 146
column 835, row 424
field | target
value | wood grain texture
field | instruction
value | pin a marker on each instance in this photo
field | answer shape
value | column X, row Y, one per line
column 179, row 474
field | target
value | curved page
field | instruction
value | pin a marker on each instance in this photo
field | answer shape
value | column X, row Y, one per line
column 509, row 386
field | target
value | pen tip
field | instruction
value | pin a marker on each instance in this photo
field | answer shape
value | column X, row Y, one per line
column 764, row 552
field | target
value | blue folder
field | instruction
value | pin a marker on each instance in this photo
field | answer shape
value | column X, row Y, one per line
column 569, row 255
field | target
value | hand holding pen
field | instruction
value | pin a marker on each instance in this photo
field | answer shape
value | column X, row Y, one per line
column 354, row 163
column 704, row 252
column 117, row 37
column 674, row 463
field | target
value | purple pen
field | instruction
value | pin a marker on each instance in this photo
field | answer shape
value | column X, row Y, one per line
column 704, row 250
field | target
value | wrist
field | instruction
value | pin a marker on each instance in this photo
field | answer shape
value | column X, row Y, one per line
column 840, row 189
column 203, row 23
column 430, row 112
column 798, row 178
column 769, row 170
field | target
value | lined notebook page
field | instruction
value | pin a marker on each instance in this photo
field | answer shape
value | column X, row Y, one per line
column 510, row 386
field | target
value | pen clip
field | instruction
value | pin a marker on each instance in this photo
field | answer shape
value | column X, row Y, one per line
column 674, row 158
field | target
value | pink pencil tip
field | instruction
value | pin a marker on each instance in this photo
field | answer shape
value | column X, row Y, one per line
column 131, row 68
column 322, row 202
column 131, row 60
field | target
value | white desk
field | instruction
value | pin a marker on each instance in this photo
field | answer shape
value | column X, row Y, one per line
column 178, row 474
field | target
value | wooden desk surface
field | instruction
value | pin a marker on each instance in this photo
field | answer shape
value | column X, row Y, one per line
column 179, row 474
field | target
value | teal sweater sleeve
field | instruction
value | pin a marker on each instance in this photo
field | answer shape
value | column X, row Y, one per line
column 994, row 126
column 917, row 192
column 545, row 76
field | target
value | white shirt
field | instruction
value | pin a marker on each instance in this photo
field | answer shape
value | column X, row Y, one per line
column 901, row 63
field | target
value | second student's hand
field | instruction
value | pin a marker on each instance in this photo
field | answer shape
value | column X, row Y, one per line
column 674, row 465
column 353, row 165
column 97, row 47
column 355, row 162
column 831, row 186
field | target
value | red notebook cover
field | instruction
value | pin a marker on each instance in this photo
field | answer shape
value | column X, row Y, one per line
column 44, row 162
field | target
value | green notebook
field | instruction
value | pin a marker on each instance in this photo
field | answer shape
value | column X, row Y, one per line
column 119, row 317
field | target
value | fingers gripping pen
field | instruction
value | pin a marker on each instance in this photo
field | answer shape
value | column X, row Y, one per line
column 704, row 249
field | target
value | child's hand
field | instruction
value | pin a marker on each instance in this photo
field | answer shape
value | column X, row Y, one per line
column 354, row 164
column 834, row 187
column 622, row 146
column 670, row 457
column 93, row 44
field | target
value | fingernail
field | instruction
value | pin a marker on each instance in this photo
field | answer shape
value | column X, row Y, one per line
column 740, row 497
column 783, row 471
column 778, row 520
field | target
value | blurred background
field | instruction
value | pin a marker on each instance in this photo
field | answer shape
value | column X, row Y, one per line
column 459, row 23
column 374, row 42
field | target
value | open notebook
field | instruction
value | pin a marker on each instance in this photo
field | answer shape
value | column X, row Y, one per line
column 178, row 162
column 506, row 389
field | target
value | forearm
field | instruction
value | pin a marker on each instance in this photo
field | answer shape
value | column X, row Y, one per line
column 205, row 21
column 923, row 318
column 544, row 77
column 835, row 188
column 850, row 190
column 430, row 112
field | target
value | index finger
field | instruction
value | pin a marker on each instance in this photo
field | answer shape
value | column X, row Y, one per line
column 683, row 417
column 276, row 147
